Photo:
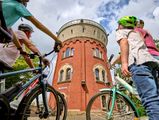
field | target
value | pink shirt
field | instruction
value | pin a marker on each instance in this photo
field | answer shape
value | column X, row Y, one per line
column 148, row 41
column 9, row 54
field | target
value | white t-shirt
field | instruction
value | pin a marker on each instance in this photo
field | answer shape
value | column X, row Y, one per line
column 138, row 52
column 10, row 53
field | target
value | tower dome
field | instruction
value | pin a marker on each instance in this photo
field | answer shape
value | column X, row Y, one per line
column 83, row 28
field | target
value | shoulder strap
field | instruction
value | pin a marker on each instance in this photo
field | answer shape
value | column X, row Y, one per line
column 3, row 23
column 5, row 35
column 136, row 32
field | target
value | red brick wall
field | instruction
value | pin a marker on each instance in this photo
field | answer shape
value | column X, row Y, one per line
column 82, row 61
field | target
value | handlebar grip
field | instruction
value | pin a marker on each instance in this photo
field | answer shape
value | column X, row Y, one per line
column 57, row 46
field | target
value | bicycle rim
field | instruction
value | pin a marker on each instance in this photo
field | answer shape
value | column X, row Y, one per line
column 30, row 109
column 99, row 107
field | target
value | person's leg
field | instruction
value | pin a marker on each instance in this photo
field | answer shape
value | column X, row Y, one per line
column 147, row 89
column 155, row 74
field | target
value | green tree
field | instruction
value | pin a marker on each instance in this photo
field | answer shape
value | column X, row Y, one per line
column 20, row 64
column 157, row 43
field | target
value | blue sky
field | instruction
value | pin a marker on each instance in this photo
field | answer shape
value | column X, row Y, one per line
column 54, row 13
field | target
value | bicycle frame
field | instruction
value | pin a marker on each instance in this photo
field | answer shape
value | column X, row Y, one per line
column 32, row 80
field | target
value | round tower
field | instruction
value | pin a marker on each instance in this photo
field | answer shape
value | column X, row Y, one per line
column 81, row 68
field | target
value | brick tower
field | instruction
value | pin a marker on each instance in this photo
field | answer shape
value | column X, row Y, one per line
column 81, row 68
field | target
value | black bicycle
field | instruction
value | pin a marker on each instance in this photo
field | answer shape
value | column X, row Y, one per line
column 31, row 99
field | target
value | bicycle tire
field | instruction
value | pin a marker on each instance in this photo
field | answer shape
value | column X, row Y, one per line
column 27, row 108
column 63, row 112
column 97, row 111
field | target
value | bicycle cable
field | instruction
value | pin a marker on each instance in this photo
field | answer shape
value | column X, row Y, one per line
column 51, row 61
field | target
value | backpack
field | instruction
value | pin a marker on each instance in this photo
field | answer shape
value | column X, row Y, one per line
column 5, row 36
column 148, row 40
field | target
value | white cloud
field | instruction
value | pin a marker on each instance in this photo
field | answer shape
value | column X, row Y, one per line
column 54, row 14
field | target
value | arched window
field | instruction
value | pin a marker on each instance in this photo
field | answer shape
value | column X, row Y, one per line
column 63, row 54
column 71, row 31
column 97, row 73
column 104, row 101
column 67, row 53
column 83, row 29
column 93, row 51
column 61, row 75
column 97, row 52
column 100, row 73
column 72, row 51
column 94, row 32
column 68, row 73
column 103, row 75
column 101, row 55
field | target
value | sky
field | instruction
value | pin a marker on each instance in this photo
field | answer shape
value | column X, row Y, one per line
column 55, row 13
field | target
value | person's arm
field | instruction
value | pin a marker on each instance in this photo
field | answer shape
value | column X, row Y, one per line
column 19, row 47
column 116, row 61
column 28, row 60
column 35, row 50
column 124, row 48
column 16, row 42
column 42, row 27
column 31, row 46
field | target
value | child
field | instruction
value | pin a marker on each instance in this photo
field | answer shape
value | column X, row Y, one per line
column 138, row 62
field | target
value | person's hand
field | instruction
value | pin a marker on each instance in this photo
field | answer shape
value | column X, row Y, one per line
column 125, row 71
column 46, row 62
column 22, row 51
column 58, row 45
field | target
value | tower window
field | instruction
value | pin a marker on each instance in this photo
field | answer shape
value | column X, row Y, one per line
column 71, row 31
column 65, row 73
column 103, row 75
column 97, row 52
column 104, row 101
column 67, row 54
column 83, row 29
column 68, row 73
column 97, row 74
column 72, row 51
column 100, row 74
column 61, row 75
column 101, row 55
column 63, row 55
column 94, row 32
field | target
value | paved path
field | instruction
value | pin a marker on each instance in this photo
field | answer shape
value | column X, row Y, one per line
column 79, row 116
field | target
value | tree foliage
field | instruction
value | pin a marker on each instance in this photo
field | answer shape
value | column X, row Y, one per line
column 20, row 64
column 157, row 43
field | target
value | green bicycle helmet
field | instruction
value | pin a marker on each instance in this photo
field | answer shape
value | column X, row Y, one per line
column 128, row 21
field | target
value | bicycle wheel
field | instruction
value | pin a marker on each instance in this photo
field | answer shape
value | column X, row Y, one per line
column 31, row 107
column 99, row 107
column 63, row 106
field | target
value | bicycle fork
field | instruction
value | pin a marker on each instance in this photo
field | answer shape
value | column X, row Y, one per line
column 44, row 97
column 113, row 97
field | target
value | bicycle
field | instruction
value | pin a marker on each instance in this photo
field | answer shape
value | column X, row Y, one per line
column 112, row 103
column 35, row 100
